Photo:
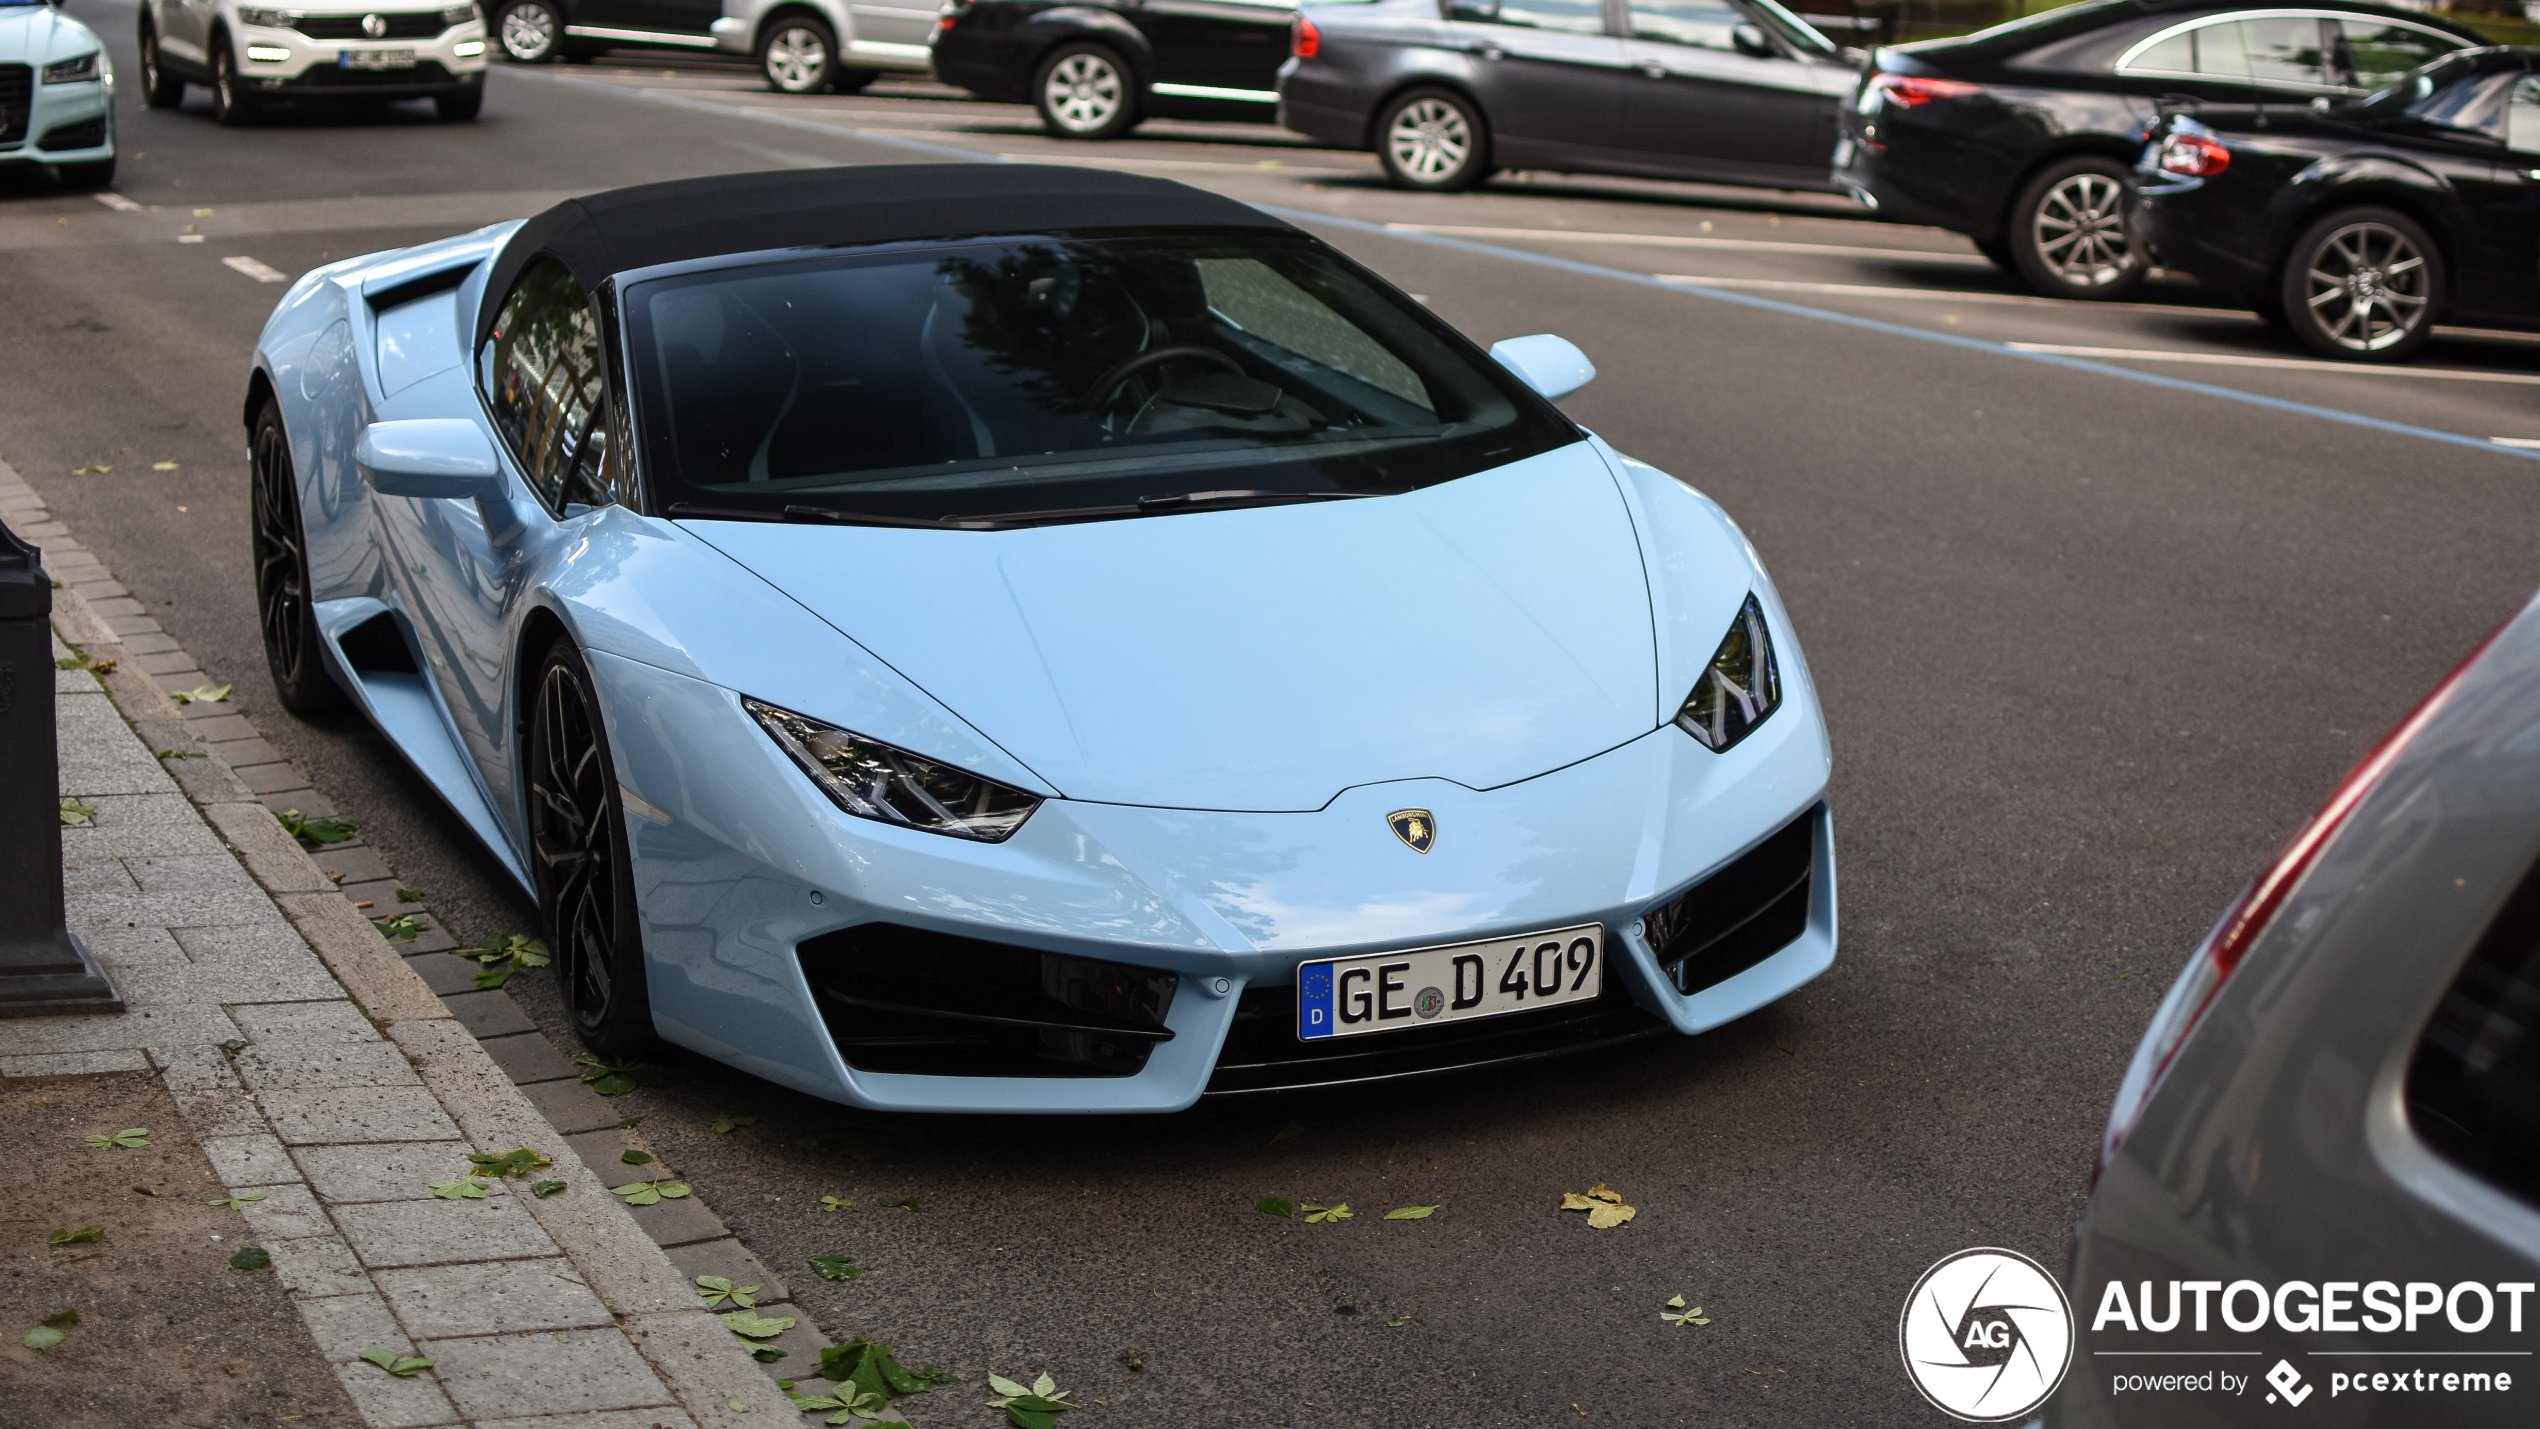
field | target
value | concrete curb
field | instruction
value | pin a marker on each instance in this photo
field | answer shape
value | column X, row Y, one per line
column 334, row 1116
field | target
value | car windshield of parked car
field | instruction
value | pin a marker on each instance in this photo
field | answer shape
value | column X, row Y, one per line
column 1090, row 375
column 2404, row 94
column 1803, row 37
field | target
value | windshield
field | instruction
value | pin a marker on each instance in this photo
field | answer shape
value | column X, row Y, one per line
column 1059, row 376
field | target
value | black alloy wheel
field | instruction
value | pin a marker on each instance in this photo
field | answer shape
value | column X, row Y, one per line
column 280, row 555
column 1086, row 91
column 232, row 103
column 530, row 31
column 579, row 859
column 1433, row 139
column 2364, row 284
column 2067, row 231
column 798, row 55
column 160, row 89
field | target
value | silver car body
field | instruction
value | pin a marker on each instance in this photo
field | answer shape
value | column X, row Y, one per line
column 890, row 35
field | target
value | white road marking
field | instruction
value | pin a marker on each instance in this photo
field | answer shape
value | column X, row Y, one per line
column 1673, row 240
column 2289, row 364
column 189, row 238
column 255, row 270
column 117, row 202
column 2527, row 443
column 1939, row 295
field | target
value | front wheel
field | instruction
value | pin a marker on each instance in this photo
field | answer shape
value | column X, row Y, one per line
column 232, row 104
column 2364, row 284
column 579, row 859
column 160, row 87
column 278, row 550
column 2067, row 233
column 798, row 55
column 529, row 32
column 1084, row 91
column 461, row 105
column 1433, row 139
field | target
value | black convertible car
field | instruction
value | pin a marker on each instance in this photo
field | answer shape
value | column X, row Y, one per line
column 1095, row 69
column 2021, row 136
column 2359, row 225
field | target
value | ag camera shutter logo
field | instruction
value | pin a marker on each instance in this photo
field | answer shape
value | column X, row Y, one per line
column 1987, row 1335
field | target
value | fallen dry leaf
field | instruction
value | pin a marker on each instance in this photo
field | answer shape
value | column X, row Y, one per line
column 1603, row 1204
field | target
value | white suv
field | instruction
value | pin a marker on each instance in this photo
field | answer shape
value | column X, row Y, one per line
column 806, row 46
column 252, row 55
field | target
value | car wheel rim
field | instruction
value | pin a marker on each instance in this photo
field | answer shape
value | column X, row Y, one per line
column 572, row 841
column 2080, row 231
column 150, row 61
column 796, row 60
column 2368, row 287
column 529, row 31
column 1083, row 92
column 282, row 595
column 221, row 84
column 1430, row 139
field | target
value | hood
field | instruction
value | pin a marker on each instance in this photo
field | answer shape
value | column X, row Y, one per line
column 1484, row 630
column 39, row 34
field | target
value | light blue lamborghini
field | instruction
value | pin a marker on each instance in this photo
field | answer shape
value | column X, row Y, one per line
column 996, row 638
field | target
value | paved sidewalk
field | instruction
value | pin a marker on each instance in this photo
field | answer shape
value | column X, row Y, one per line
column 314, row 1063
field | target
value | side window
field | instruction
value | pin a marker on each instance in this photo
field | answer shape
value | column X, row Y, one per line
column 2473, row 1087
column 2522, row 116
column 1580, row 17
column 1704, row 24
column 1257, row 301
column 545, row 381
column 2175, row 55
column 2370, row 54
column 2285, row 50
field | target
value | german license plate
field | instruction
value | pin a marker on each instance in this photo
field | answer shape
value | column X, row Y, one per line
column 375, row 59
column 1421, row 987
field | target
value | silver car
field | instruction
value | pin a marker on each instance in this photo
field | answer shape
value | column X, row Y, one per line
column 2321, row 1182
column 807, row 46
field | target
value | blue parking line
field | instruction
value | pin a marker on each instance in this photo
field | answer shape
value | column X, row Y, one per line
column 1770, row 305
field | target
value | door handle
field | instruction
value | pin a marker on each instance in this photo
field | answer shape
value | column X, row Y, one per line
column 1488, row 51
column 1653, row 69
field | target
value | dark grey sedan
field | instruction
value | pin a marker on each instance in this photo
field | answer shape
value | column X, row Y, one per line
column 1447, row 91
column 2323, row 1174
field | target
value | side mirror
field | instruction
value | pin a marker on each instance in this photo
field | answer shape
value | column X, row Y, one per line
column 1553, row 366
column 1752, row 42
column 443, row 457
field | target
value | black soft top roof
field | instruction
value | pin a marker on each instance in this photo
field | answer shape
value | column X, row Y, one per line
column 625, row 229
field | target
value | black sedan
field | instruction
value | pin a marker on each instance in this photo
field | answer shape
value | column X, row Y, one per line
column 1446, row 91
column 1095, row 69
column 2021, row 136
column 2358, row 226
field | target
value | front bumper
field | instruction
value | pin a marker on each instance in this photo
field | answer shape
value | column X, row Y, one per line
column 2174, row 220
column 65, row 124
column 754, row 861
column 288, row 64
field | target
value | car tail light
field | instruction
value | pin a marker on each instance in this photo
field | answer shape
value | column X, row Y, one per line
column 2194, row 155
column 950, row 15
column 2251, row 913
column 1305, row 41
column 1914, row 90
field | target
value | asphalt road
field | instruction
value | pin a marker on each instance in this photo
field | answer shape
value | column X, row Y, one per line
column 2091, row 645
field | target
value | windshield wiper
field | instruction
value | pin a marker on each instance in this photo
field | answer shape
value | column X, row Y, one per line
column 819, row 515
column 1179, row 501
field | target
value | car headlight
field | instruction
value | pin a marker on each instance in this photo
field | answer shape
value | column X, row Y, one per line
column 1741, row 685
column 458, row 14
column 872, row 780
column 268, row 19
column 73, row 70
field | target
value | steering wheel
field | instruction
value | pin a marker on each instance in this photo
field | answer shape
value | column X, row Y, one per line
column 1109, row 383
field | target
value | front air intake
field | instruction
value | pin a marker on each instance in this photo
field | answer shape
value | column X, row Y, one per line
column 899, row 999
column 1740, row 915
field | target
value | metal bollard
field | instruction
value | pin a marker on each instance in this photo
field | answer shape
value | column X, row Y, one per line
column 43, row 967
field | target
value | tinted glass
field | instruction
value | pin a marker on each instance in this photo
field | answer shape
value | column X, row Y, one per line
column 2285, row 50
column 2370, row 53
column 2481, row 104
column 1042, row 374
column 1705, row 23
column 2522, row 116
column 2474, row 1086
column 1584, row 17
column 544, row 379
column 2175, row 55
column 1803, row 36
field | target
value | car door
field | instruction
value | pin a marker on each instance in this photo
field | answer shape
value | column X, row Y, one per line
column 673, row 17
column 1549, row 76
column 2495, row 169
column 897, row 29
column 184, row 27
column 1215, row 45
column 1710, row 93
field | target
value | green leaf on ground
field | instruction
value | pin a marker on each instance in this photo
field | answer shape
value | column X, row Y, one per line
column 615, row 1078
column 314, row 832
column 70, row 662
column 1693, row 1316
column 835, row 1203
column 98, row 469
column 235, row 1199
column 250, row 1258
column 836, row 1267
column 752, row 1325
column 904, row 1203
column 203, row 695
column 848, row 1400
column 519, row 1161
column 1411, row 1213
column 1035, row 1408
column 409, row 895
column 167, row 466
column 234, row 1044
column 42, row 1337
column 177, row 754
column 402, row 1366
column 649, row 1193
column 461, row 1190
column 1397, row 1322
column 726, row 1125
column 765, row 1354
column 499, row 958
column 76, row 814
column 130, row 1136
column 399, row 927
column 628, row 1123
column 1279, row 1206
column 85, row 1235
column 633, row 1157
column 543, row 1189
column 1325, row 1215
column 62, row 1319
column 714, row 1289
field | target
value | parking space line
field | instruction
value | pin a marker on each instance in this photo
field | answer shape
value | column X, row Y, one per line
column 253, row 269
column 1941, row 295
column 2527, row 443
column 2289, row 364
column 1686, row 240
column 117, row 202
